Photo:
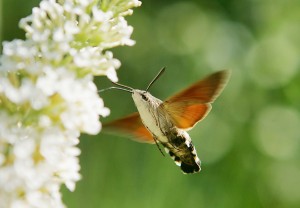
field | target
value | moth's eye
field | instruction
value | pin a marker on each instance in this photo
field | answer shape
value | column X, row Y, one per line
column 144, row 97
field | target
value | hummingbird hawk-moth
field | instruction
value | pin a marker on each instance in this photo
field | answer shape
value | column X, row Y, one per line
column 167, row 122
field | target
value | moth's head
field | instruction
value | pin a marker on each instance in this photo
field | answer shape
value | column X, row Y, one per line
column 141, row 97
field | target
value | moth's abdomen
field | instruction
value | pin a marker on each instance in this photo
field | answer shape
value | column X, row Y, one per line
column 183, row 152
column 189, row 163
column 190, row 168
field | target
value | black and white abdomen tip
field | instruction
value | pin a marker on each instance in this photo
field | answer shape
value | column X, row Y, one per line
column 188, row 162
column 190, row 168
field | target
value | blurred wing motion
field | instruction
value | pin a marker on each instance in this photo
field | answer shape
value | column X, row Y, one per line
column 131, row 125
column 192, row 104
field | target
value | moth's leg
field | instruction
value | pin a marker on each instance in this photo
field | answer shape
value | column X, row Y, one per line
column 156, row 142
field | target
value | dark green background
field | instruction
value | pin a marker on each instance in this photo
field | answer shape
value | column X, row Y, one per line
column 250, row 142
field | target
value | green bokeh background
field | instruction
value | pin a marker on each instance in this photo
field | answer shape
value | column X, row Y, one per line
column 250, row 142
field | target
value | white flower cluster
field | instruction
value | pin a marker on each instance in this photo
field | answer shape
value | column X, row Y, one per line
column 47, row 94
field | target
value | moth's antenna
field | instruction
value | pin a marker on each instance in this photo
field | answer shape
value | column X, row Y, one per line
column 117, row 88
column 121, row 85
column 155, row 78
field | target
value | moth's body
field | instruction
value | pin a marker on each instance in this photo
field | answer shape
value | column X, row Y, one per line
column 167, row 122
column 153, row 118
column 177, row 142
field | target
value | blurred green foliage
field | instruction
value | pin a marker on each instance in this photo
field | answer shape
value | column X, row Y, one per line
column 250, row 142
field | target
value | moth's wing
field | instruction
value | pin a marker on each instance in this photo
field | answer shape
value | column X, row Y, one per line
column 131, row 126
column 205, row 90
column 185, row 115
column 192, row 104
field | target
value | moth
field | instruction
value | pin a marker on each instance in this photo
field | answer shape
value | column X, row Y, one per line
column 167, row 122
